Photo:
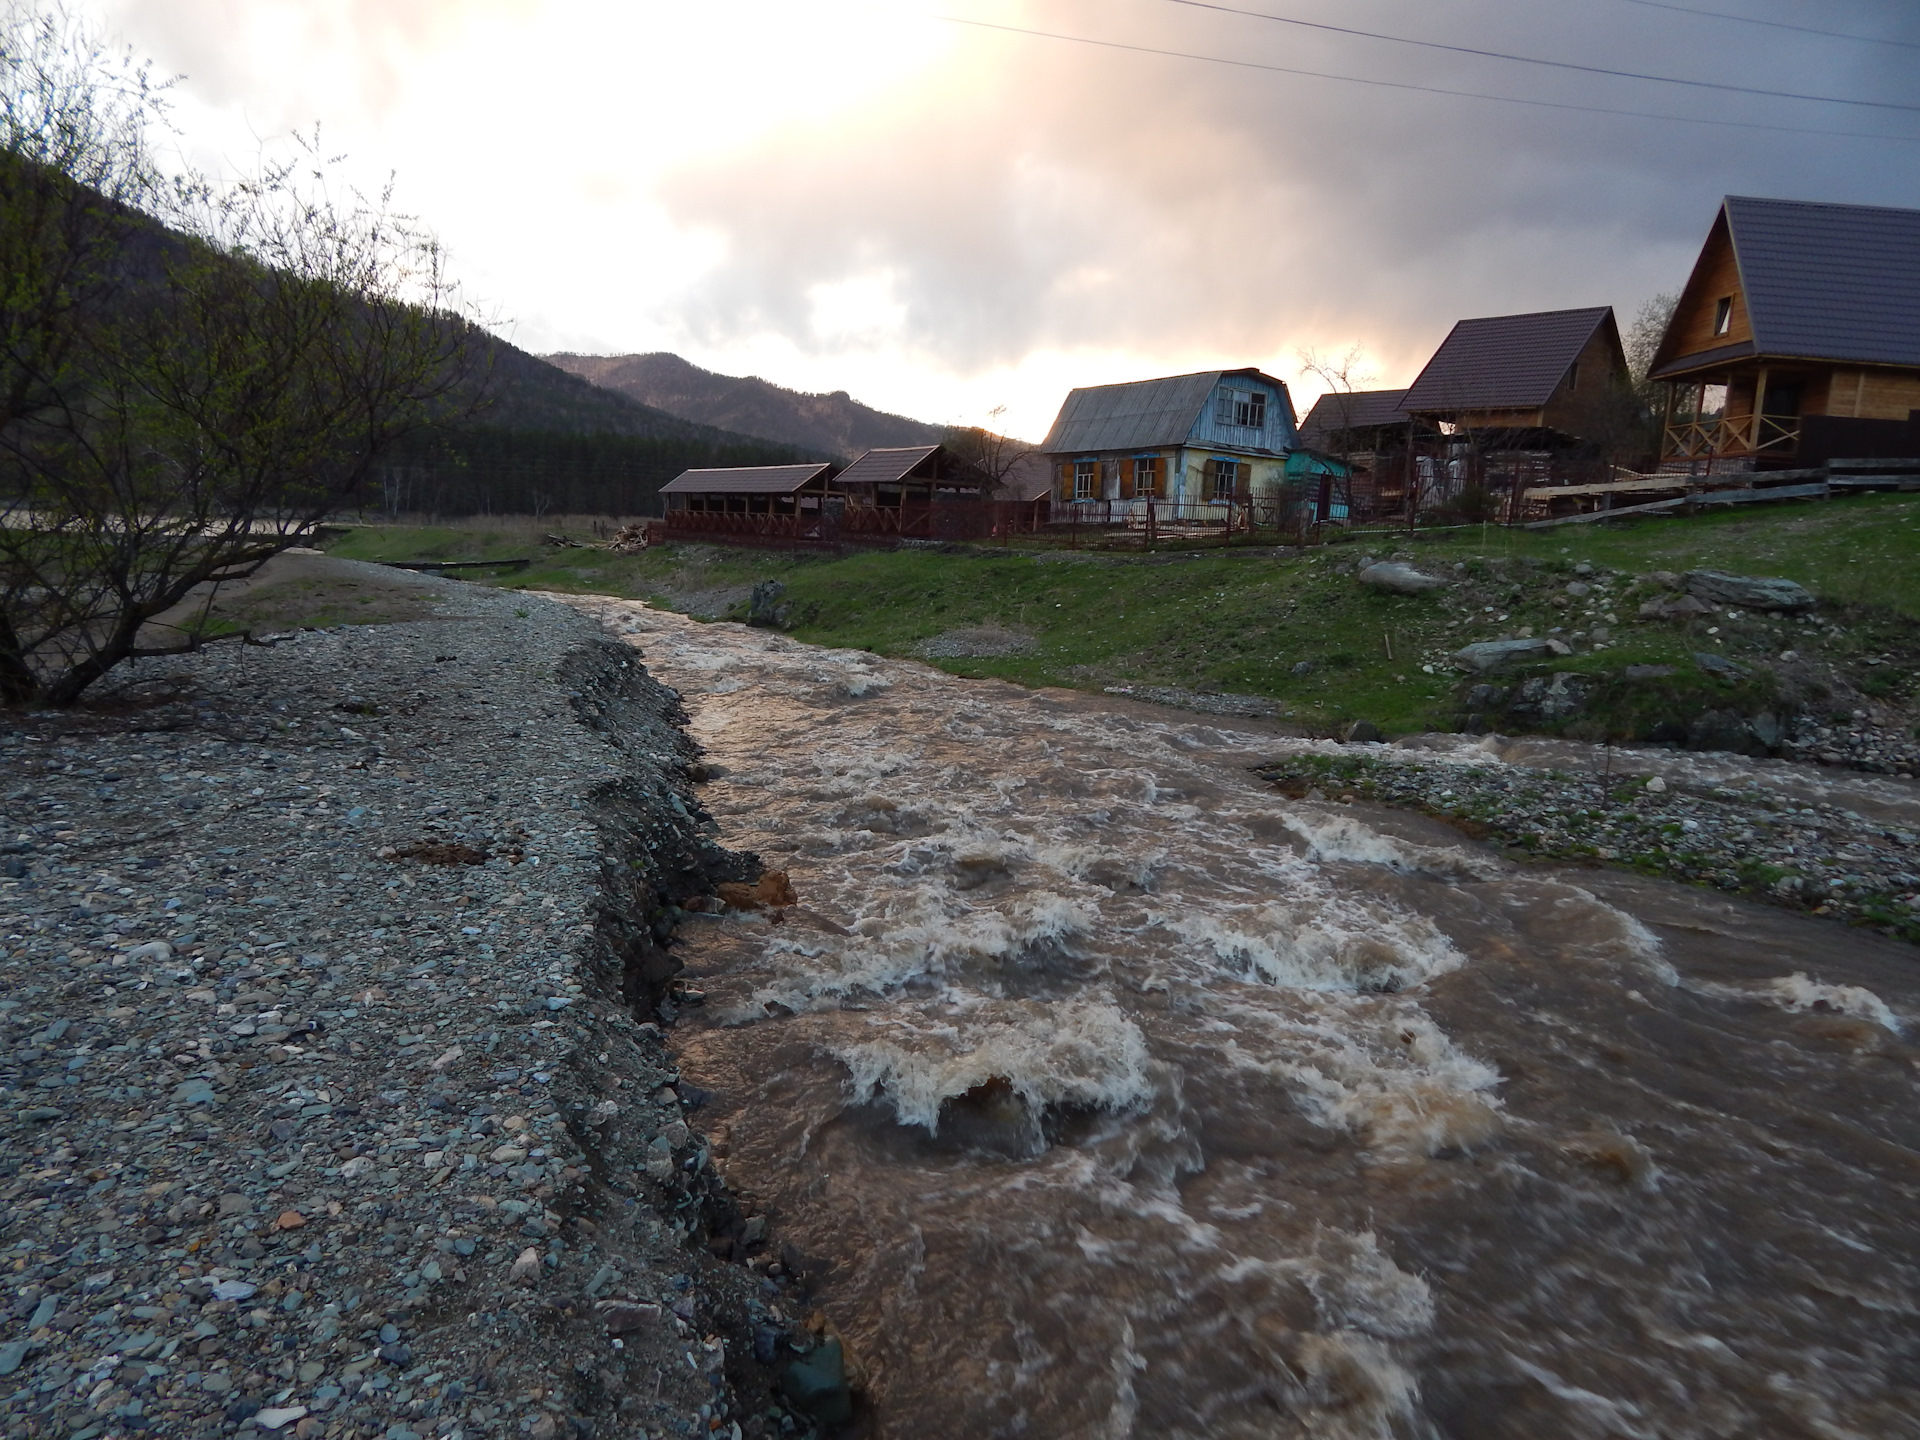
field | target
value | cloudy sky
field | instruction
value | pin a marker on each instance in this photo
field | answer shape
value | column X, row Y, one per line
column 914, row 201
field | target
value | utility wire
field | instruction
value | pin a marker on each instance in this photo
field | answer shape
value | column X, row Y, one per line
column 1774, row 24
column 1535, row 60
column 1423, row 89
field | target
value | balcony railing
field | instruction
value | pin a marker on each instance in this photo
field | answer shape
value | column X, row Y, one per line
column 1718, row 436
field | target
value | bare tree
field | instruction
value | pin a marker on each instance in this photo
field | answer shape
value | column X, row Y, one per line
column 986, row 448
column 195, row 374
column 1342, row 376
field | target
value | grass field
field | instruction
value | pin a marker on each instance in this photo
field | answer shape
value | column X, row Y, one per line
column 1242, row 623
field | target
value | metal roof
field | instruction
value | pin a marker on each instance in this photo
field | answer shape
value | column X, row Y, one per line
column 884, row 467
column 1140, row 413
column 1826, row 282
column 1353, row 410
column 745, row 480
column 1503, row 362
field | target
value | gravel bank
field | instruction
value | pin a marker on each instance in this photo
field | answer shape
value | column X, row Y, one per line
column 327, row 1105
column 1750, row 839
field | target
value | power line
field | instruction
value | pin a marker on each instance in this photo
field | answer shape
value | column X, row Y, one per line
column 1424, row 89
column 1774, row 24
column 1535, row 60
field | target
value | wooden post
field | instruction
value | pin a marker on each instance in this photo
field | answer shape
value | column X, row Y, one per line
column 1413, row 481
column 1759, row 405
column 1666, row 427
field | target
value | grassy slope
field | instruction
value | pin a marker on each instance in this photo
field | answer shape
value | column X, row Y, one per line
column 1240, row 623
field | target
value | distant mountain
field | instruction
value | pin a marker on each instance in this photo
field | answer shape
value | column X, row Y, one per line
column 833, row 424
column 527, row 393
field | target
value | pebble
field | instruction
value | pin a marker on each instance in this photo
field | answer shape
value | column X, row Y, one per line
column 256, row 1063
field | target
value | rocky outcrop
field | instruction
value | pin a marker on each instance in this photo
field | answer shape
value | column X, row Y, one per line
column 1749, row 592
column 1398, row 579
column 1487, row 655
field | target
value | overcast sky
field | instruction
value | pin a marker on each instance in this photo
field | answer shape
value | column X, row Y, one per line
column 941, row 217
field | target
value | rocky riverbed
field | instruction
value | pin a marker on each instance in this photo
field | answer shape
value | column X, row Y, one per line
column 333, row 1100
column 1748, row 838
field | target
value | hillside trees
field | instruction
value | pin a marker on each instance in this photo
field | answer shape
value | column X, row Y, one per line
column 193, row 374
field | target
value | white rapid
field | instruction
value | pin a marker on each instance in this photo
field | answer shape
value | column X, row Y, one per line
column 1109, row 1092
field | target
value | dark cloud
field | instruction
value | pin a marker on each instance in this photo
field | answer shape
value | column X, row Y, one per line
column 1041, row 194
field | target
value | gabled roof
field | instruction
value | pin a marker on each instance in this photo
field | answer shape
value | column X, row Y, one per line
column 745, row 480
column 1823, row 282
column 1504, row 362
column 1141, row 414
column 885, row 467
column 1353, row 410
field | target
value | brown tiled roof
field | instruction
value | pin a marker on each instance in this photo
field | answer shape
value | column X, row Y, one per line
column 1354, row 410
column 1503, row 362
column 884, row 467
column 745, row 480
column 1824, row 282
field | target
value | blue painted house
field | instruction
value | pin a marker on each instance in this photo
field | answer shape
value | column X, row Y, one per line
column 1208, row 439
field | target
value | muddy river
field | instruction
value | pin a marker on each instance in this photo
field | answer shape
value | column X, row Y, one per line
column 1114, row 1093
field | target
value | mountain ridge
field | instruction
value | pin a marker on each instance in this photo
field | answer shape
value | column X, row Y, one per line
column 833, row 424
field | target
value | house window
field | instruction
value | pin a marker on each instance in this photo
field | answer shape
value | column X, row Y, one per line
column 1086, row 479
column 1146, row 477
column 1222, row 479
column 1246, row 408
column 1723, row 315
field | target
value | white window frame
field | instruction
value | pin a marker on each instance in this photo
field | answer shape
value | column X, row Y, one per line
column 1086, row 479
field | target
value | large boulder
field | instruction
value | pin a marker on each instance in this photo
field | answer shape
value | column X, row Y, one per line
column 1398, row 579
column 763, row 609
column 1751, row 592
column 1486, row 655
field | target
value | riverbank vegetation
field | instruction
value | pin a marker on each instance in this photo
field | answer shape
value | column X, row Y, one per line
column 1298, row 629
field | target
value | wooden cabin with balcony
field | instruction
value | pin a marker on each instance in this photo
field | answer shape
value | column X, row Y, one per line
column 753, row 503
column 1796, row 340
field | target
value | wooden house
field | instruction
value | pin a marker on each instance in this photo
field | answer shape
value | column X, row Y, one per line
column 1537, row 381
column 1796, row 339
column 1367, row 431
column 1213, row 438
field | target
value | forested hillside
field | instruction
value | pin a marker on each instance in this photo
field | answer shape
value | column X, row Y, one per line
column 835, row 424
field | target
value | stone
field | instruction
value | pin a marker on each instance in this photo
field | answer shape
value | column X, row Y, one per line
column 624, row 1317
column 763, row 608
column 1548, row 699
column 1682, row 607
column 289, row 1220
column 234, row 1290
column 771, row 891
column 1720, row 665
column 1301, row 668
column 817, row 1383
column 1399, row 579
column 233, row 1204
column 281, row 1415
column 1752, row 592
column 525, row 1268
column 12, row 1354
column 1577, row 588
column 1657, row 786
column 1361, row 732
column 1486, row 655
column 1647, row 672
column 1723, row 730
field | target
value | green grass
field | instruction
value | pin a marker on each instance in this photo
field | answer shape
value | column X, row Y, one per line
column 1239, row 624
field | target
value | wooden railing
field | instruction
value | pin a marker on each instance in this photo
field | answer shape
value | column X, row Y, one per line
column 1720, row 436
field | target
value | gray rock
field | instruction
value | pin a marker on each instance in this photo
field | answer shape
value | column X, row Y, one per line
column 1399, row 579
column 1752, row 592
column 1302, row 667
column 763, row 609
column 1577, row 588
column 1647, row 672
column 1547, row 699
column 1361, row 732
column 1724, row 730
column 1492, row 654
column 11, row 1355
column 1720, row 665
column 817, row 1383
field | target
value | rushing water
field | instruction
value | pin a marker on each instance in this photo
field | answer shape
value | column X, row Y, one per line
column 1116, row 1094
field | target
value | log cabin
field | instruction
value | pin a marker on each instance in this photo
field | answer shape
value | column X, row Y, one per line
column 1796, row 339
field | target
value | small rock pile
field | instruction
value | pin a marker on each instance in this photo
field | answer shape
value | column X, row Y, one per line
column 1750, row 841
column 329, row 1104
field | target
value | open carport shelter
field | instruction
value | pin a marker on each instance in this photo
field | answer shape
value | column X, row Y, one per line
column 774, row 502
